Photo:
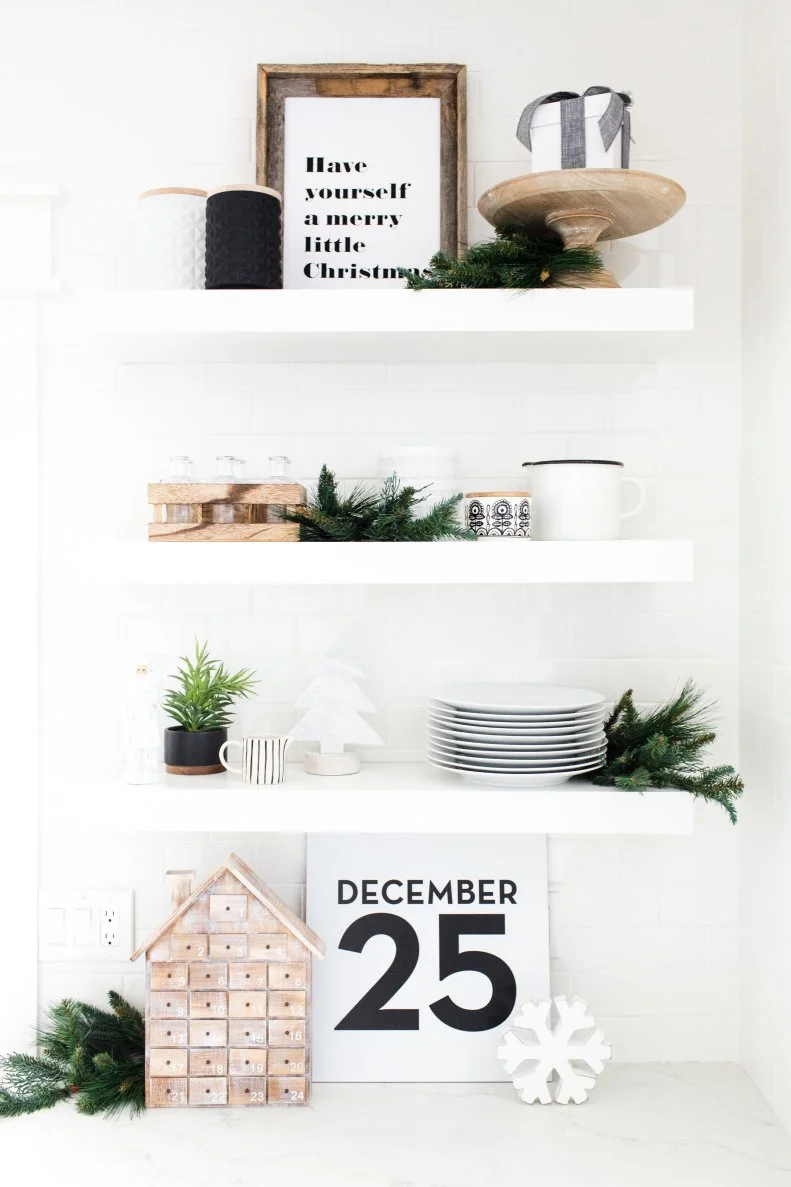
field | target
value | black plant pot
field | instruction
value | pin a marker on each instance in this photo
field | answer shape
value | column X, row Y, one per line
column 193, row 753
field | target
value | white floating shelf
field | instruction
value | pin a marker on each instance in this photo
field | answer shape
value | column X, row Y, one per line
column 296, row 323
column 383, row 797
column 486, row 562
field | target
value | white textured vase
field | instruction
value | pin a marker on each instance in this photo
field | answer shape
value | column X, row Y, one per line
column 171, row 226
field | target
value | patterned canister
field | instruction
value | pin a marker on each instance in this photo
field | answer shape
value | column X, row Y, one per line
column 498, row 513
column 171, row 238
column 243, row 238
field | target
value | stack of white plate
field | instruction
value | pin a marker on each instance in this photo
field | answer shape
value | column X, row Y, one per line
column 516, row 735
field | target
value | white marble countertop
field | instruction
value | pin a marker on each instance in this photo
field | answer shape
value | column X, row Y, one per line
column 653, row 1125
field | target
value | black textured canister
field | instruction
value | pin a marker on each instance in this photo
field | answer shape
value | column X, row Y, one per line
column 243, row 240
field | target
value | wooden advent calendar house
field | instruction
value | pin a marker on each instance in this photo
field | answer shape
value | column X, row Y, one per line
column 228, row 996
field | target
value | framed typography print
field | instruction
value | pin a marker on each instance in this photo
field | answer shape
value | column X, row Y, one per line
column 431, row 943
column 371, row 162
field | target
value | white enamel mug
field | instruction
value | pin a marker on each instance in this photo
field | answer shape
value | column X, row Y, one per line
column 580, row 499
column 263, row 758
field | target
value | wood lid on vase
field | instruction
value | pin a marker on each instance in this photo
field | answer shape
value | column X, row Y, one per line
column 174, row 189
column 253, row 189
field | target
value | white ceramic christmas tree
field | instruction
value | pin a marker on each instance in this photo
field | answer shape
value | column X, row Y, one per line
column 333, row 702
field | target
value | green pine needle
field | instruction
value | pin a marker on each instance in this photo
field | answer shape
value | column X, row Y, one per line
column 664, row 748
column 207, row 692
column 386, row 515
column 515, row 259
column 95, row 1055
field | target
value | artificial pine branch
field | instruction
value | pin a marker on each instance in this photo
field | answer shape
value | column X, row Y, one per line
column 664, row 748
column 515, row 259
column 96, row 1055
column 387, row 514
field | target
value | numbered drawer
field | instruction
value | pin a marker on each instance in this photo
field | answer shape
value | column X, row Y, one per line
column 208, row 1090
column 208, row 1062
column 188, row 947
column 208, row 976
column 247, row 1034
column 287, row 1004
column 287, row 1034
column 167, row 1034
column 168, row 976
column 208, row 1034
column 286, row 1061
column 208, row 1004
column 247, row 976
column 247, row 1061
column 167, row 1094
column 227, row 908
column 248, row 1090
column 168, row 1005
column 228, row 947
column 268, row 947
column 247, row 1005
column 288, row 976
column 167, row 1061
column 286, row 1090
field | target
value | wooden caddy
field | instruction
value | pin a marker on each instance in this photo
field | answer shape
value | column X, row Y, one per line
column 255, row 497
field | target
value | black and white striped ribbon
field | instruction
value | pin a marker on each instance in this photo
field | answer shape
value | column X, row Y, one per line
column 572, row 124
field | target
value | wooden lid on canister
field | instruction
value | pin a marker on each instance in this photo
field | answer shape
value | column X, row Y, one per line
column 497, row 494
column 253, row 189
column 174, row 189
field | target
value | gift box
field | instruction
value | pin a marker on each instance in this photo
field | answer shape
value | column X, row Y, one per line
column 569, row 131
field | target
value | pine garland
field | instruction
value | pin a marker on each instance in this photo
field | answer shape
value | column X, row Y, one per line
column 665, row 747
column 385, row 514
column 96, row 1055
column 515, row 259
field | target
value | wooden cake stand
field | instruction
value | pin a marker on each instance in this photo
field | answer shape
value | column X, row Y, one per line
column 584, row 206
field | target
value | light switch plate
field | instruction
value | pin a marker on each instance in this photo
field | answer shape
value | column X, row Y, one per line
column 77, row 925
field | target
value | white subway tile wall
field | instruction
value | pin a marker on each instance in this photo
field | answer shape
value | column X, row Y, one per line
column 647, row 930
column 766, row 574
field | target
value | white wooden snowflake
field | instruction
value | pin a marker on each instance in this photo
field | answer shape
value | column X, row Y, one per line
column 552, row 1052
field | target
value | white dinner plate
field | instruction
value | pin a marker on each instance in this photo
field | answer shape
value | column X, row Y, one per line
column 476, row 761
column 516, row 737
column 498, row 697
column 465, row 763
column 512, row 749
column 512, row 720
column 516, row 756
column 499, row 779
column 527, row 729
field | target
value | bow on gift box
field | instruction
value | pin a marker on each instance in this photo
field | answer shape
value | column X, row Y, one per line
column 572, row 124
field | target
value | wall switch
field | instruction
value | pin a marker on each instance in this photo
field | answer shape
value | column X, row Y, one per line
column 77, row 925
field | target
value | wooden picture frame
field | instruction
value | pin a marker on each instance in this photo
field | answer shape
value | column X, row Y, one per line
column 447, row 82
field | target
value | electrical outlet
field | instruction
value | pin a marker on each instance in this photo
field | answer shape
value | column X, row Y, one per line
column 109, row 928
column 76, row 925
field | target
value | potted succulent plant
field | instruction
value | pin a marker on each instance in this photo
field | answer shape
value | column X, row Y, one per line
column 201, row 704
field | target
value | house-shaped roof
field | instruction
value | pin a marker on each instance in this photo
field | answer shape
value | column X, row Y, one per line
column 240, row 870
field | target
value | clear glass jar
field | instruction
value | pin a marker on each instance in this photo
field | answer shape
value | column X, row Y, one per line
column 278, row 473
column 178, row 475
column 229, row 473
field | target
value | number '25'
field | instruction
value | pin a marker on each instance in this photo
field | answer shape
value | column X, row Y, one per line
column 370, row 1014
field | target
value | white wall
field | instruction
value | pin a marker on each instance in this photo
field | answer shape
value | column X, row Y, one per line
column 152, row 94
column 766, row 585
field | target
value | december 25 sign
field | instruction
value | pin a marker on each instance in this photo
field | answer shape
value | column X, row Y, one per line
column 432, row 941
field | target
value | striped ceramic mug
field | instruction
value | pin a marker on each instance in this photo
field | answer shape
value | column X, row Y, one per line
column 263, row 758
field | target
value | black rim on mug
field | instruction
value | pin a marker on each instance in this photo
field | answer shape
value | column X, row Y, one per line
column 574, row 461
